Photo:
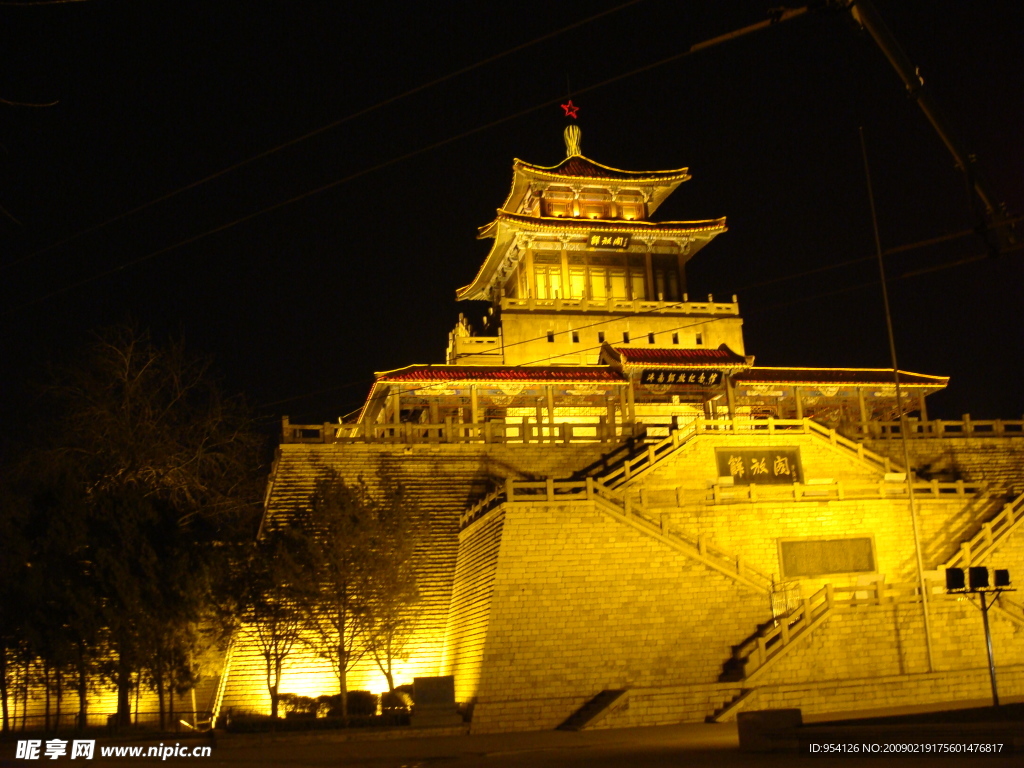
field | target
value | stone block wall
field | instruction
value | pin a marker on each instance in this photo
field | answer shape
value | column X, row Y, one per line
column 469, row 614
column 583, row 602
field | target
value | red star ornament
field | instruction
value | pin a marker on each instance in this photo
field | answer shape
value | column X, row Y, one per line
column 571, row 110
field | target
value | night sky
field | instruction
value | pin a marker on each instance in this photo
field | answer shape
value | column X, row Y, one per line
column 301, row 304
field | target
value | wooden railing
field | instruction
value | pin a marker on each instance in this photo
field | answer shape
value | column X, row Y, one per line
column 974, row 550
column 839, row 491
column 964, row 427
column 452, row 431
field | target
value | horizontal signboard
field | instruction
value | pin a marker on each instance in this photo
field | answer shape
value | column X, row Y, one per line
column 763, row 466
column 665, row 376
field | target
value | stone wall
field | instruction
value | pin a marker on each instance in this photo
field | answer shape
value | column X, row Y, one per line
column 470, row 610
column 582, row 603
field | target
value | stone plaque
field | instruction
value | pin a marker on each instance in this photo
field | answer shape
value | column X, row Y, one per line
column 434, row 691
column 819, row 557
column 763, row 466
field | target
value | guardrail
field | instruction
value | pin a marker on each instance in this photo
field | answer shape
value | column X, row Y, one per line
column 710, row 307
column 777, row 637
column 839, row 491
column 452, row 431
column 975, row 549
column 964, row 427
column 593, row 490
column 643, row 460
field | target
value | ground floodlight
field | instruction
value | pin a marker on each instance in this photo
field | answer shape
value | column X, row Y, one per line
column 955, row 579
column 978, row 578
column 1002, row 577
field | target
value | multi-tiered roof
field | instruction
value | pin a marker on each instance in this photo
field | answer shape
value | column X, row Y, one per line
column 578, row 197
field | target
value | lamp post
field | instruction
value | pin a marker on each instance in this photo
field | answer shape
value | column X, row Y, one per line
column 978, row 583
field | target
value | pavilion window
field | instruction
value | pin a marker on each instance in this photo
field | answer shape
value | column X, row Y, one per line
column 549, row 281
column 575, row 337
column 598, row 282
column 650, row 338
column 617, row 284
column 666, row 279
column 636, row 283
column 600, row 337
column 675, row 338
column 577, row 283
column 699, row 339
column 625, row 337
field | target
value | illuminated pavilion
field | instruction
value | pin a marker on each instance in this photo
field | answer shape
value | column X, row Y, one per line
column 628, row 522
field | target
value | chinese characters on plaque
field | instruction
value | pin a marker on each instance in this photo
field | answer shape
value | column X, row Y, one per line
column 608, row 240
column 662, row 377
column 763, row 466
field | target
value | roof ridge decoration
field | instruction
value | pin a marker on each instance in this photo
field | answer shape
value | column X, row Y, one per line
column 572, row 134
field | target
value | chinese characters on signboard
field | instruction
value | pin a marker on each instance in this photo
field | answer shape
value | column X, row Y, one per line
column 761, row 466
column 661, row 377
column 608, row 240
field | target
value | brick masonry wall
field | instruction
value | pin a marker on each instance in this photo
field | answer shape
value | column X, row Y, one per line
column 553, row 604
column 470, row 610
column 583, row 602
column 544, row 641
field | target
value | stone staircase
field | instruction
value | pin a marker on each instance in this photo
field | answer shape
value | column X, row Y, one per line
column 439, row 481
column 637, row 458
column 612, row 503
column 993, row 532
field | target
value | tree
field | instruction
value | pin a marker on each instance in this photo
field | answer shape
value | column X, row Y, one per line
column 340, row 527
column 391, row 596
column 151, row 468
column 278, row 584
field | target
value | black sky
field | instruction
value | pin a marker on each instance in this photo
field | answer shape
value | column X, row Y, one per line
column 303, row 303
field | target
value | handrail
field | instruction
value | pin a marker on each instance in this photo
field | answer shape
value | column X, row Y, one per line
column 644, row 459
column 772, row 639
column 591, row 489
column 992, row 532
column 623, row 305
column 963, row 427
column 839, row 490
column 452, row 431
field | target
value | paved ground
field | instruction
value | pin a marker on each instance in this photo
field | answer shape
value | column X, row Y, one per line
column 691, row 745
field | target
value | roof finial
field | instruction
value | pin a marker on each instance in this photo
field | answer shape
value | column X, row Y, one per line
column 572, row 140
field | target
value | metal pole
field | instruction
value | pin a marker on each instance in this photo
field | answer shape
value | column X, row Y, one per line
column 988, row 645
column 899, row 407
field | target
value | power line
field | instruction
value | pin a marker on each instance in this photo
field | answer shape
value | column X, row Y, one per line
column 760, row 310
column 393, row 161
column 887, row 252
column 310, row 134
